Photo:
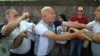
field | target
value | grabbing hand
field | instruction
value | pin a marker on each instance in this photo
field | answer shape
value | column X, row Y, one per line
column 24, row 33
column 26, row 15
column 89, row 27
column 79, row 34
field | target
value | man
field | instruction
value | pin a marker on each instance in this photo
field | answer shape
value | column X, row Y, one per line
column 96, row 28
column 13, row 29
column 94, row 33
column 45, row 33
column 76, row 44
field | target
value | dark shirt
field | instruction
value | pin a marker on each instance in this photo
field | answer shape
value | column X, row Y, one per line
column 57, row 23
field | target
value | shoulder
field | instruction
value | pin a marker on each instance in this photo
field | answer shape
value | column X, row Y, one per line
column 73, row 18
column 91, row 23
column 40, row 26
column 40, row 29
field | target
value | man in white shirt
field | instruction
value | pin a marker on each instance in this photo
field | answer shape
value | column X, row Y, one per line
column 13, row 29
column 45, row 33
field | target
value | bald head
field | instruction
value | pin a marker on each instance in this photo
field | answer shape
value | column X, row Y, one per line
column 48, row 14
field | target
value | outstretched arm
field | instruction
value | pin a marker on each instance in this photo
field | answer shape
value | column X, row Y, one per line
column 76, row 25
column 95, row 37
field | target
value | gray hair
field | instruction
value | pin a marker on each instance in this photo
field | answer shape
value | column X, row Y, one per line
column 7, row 13
column 45, row 8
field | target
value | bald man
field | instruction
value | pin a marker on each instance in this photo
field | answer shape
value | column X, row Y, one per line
column 45, row 33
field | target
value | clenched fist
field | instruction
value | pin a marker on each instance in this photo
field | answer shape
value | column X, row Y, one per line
column 24, row 34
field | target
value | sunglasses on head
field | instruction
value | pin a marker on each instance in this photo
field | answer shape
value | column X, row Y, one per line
column 79, row 10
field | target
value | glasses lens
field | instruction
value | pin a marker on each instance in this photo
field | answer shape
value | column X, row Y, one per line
column 79, row 10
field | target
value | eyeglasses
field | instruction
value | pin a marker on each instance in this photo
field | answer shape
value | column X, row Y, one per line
column 79, row 10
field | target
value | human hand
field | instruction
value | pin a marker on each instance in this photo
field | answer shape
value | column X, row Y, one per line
column 79, row 34
column 24, row 34
column 88, row 27
column 25, row 15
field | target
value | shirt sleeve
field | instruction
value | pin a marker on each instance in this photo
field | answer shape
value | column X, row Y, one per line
column 26, row 25
column 90, row 24
column 40, row 29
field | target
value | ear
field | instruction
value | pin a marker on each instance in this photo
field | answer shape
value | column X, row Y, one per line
column 44, row 16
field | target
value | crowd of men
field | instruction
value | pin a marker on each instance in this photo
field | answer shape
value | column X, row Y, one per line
column 22, row 38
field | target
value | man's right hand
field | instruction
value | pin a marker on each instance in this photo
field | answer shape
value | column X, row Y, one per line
column 24, row 34
column 79, row 34
column 25, row 15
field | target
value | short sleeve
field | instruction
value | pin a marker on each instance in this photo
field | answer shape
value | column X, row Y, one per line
column 26, row 25
column 40, row 29
column 90, row 24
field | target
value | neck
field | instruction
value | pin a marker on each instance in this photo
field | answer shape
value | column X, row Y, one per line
column 48, row 23
column 79, row 16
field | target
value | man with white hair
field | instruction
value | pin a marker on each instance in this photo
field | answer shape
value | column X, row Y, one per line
column 45, row 33
column 13, row 30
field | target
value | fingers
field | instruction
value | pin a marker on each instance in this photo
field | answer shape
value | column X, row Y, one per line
column 71, row 30
column 26, row 15
column 24, row 33
column 86, row 37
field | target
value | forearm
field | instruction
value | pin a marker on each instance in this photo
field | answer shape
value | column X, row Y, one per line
column 17, row 41
column 11, row 26
column 95, row 37
column 75, row 24
column 65, row 36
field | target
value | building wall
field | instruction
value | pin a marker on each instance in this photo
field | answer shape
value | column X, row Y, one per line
column 69, row 11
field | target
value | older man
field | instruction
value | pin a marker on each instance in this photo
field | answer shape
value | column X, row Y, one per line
column 13, row 29
column 45, row 33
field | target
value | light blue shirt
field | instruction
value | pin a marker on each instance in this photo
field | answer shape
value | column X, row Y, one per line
column 43, row 44
column 95, row 46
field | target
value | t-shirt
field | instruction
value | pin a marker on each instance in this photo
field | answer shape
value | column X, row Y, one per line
column 43, row 44
column 82, row 20
column 60, row 30
column 5, row 46
column 95, row 46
